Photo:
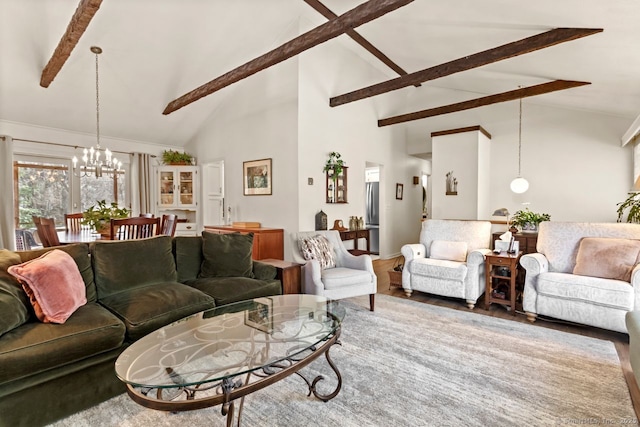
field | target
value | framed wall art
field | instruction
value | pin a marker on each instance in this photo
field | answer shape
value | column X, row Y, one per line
column 257, row 177
column 399, row 189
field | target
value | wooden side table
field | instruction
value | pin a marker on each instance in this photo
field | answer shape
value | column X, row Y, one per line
column 501, row 272
column 289, row 274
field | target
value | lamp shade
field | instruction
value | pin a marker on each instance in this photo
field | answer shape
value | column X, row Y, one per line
column 501, row 212
column 519, row 185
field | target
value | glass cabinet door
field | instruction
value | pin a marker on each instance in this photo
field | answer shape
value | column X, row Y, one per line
column 186, row 187
column 167, row 187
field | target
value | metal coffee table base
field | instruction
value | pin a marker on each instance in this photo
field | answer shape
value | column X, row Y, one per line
column 230, row 389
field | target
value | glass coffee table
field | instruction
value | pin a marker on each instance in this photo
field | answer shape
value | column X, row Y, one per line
column 223, row 354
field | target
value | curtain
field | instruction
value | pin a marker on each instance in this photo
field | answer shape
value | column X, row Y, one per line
column 7, row 230
column 141, row 183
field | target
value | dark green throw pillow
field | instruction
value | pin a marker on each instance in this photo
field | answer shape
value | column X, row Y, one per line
column 13, row 299
column 227, row 255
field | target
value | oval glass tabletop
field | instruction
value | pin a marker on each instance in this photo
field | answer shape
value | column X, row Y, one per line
column 230, row 340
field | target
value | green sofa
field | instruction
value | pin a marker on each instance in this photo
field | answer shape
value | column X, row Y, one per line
column 49, row 371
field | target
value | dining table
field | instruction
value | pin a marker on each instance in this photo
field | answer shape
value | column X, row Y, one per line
column 84, row 235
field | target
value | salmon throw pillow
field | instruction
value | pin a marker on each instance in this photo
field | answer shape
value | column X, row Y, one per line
column 54, row 285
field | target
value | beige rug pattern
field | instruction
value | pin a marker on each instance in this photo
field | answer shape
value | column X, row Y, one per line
column 414, row 364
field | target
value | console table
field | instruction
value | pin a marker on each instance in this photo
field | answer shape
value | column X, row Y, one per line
column 267, row 242
column 355, row 235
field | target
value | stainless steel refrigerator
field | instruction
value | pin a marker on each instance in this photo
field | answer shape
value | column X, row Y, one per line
column 372, row 219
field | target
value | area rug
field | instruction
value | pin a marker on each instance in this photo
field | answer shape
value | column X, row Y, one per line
column 414, row 364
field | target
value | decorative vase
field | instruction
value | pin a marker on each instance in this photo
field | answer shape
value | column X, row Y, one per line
column 530, row 227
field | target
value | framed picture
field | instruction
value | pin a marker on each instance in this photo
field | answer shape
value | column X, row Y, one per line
column 257, row 177
column 399, row 189
column 261, row 315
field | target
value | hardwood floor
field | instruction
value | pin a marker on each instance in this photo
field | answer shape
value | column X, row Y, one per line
column 621, row 341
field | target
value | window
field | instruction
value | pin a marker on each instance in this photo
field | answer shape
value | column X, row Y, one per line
column 105, row 188
column 47, row 187
column 41, row 189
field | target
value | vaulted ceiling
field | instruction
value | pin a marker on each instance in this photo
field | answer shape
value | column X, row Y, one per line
column 157, row 50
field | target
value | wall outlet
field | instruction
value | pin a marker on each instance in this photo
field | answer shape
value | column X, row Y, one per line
column 310, row 181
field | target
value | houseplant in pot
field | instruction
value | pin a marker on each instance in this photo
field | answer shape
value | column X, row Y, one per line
column 170, row 157
column 528, row 221
column 631, row 206
column 334, row 164
column 99, row 216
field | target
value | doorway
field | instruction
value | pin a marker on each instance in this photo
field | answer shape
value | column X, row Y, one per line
column 372, row 205
column 213, row 193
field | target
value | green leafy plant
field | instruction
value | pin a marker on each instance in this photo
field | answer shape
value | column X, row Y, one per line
column 334, row 163
column 632, row 203
column 525, row 216
column 99, row 216
column 170, row 157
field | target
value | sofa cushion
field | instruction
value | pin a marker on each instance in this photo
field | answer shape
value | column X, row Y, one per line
column 54, row 285
column 319, row 248
column 38, row 347
column 441, row 269
column 227, row 255
column 147, row 308
column 13, row 299
column 122, row 265
column 447, row 250
column 340, row 277
column 593, row 290
column 226, row 290
column 187, row 251
column 80, row 254
column 607, row 258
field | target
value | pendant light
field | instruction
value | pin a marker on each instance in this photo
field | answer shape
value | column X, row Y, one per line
column 519, row 185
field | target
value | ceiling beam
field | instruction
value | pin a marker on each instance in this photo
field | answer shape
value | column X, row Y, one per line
column 355, row 17
column 486, row 100
column 327, row 13
column 509, row 50
column 77, row 26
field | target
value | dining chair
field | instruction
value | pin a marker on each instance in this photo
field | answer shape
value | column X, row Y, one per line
column 73, row 221
column 147, row 215
column 40, row 231
column 49, row 235
column 134, row 228
column 168, row 224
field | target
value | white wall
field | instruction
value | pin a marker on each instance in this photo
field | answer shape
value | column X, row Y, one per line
column 246, row 128
column 328, row 70
column 573, row 161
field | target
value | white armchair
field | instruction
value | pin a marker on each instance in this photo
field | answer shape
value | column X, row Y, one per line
column 352, row 275
column 449, row 260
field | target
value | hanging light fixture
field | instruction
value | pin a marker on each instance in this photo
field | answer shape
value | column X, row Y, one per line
column 519, row 185
column 94, row 159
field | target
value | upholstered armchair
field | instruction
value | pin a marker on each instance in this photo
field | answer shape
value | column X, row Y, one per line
column 332, row 271
column 449, row 260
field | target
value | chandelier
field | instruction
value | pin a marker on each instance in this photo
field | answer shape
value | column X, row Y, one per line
column 94, row 160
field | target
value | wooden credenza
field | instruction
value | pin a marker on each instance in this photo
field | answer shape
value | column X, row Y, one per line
column 355, row 235
column 267, row 242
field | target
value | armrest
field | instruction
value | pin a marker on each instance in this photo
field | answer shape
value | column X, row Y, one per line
column 360, row 262
column 477, row 256
column 635, row 282
column 264, row 271
column 534, row 264
column 312, row 278
column 413, row 251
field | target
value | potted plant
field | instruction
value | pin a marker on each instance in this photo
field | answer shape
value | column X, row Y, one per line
column 632, row 203
column 99, row 216
column 527, row 220
column 335, row 164
column 170, row 157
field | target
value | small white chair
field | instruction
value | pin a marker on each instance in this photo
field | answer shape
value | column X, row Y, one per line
column 352, row 275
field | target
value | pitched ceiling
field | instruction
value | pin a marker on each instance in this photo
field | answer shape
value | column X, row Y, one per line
column 157, row 50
